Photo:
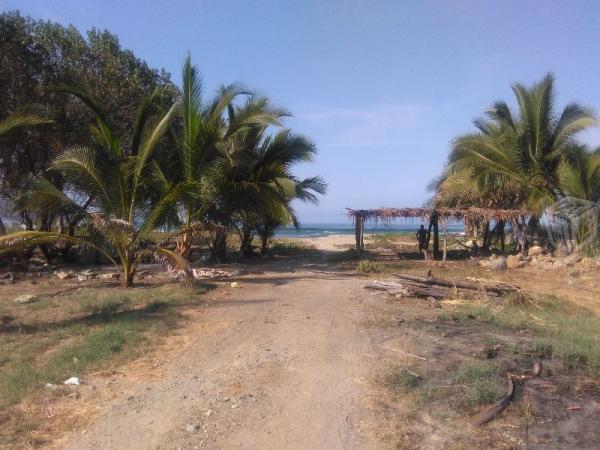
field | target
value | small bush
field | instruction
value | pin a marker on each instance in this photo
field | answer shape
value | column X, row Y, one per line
column 426, row 392
column 368, row 266
column 574, row 360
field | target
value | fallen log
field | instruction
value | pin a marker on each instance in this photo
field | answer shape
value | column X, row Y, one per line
column 469, row 285
column 409, row 289
column 488, row 284
column 489, row 413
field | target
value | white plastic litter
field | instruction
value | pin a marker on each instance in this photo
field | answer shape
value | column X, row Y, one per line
column 73, row 381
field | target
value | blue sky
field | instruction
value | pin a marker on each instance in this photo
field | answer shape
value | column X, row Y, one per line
column 382, row 87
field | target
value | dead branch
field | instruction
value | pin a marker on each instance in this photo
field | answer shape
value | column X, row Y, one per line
column 489, row 413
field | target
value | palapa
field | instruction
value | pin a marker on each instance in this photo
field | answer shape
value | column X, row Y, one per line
column 472, row 214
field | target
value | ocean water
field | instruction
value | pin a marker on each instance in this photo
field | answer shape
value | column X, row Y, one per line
column 308, row 230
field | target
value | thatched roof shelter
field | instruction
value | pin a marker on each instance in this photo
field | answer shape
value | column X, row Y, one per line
column 433, row 215
column 473, row 214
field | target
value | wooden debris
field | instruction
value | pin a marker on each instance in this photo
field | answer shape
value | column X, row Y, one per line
column 408, row 289
column 489, row 413
column 410, row 285
column 471, row 284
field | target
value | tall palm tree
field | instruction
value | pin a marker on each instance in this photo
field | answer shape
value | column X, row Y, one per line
column 213, row 133
column 118, row 178
column 525, row 147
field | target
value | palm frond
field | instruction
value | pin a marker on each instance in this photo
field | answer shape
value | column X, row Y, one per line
column 25, row 239
column 21, row 120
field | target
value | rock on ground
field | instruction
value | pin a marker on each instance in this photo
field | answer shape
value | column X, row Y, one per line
column 26, row 298
column 535, row 250
column 515, row 261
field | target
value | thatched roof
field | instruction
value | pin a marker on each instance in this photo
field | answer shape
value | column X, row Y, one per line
column 451, row 214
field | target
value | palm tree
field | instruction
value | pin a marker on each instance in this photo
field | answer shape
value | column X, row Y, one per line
column 305, row 190
column 580, row 205
column 522, row 152
column 524, row 148
column 214, row 134
column 580, row 173
column 461, row 187
column 118, row 179
column 19, row 120
column 256, row 184
column 274, row 159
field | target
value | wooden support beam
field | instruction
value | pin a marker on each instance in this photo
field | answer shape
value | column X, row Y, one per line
column 445, row 228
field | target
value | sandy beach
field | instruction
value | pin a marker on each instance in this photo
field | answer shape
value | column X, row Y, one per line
column 339, row 242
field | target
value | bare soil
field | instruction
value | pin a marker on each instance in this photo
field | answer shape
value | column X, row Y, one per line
column 277, row 363
column 297, row 357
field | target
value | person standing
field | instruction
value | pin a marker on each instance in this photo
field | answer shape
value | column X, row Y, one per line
column 422, row 239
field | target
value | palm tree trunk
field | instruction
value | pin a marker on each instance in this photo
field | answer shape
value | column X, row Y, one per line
column 264, row 243
column 128, row 267
column 128, row 274
column 184, row 245
column 246, row 238
column 486, row 238
column 218, row 249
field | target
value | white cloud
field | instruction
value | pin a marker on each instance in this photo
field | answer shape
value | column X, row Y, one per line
column 378, row 125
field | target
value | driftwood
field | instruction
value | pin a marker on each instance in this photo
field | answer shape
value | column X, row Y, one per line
column 489, row 413
column 477, row 284
column 493, row 284
column 410, row 289
column 410, row 285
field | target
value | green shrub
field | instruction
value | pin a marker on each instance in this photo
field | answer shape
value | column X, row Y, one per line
column 368, row 266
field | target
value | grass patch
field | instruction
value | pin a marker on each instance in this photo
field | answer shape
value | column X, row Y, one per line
column 368, row 266
column 91, row 328
column 479, row 379
column 562, row 330
column 290, row 247
column 473, row 372
column 72, row 360
column 481, row 392
column 399, row 379
column 427, row 391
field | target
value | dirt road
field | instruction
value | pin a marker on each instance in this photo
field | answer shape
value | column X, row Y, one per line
column 283, row 366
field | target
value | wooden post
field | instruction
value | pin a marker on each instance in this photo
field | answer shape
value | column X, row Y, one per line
column 445, row 228
column 362, row 235
column 433, row 223
column 358, row 233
